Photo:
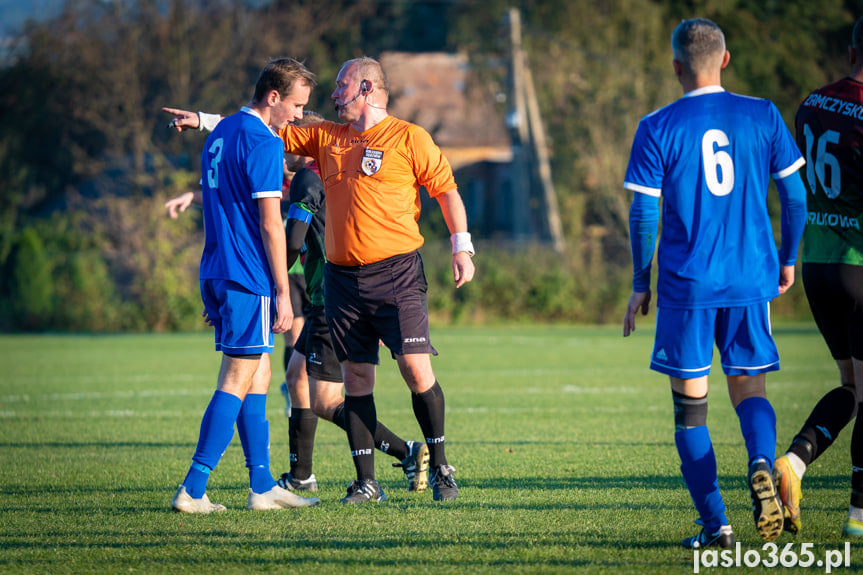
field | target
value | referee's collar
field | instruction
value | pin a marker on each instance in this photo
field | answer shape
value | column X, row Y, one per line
column 704, row 90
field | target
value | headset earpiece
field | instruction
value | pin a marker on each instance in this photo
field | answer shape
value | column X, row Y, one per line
column 365, row 86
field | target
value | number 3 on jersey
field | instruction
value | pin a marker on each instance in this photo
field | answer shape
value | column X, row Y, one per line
column 823, row 159
column 718, row 165
column 215, row 152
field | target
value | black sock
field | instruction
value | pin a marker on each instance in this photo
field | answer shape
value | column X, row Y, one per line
column 390, row 443
column 857, row 461
column 339, row 416
column 385, row 440
column 829, row 416
column 301, row 441
column 361, row 419
column 429, row 411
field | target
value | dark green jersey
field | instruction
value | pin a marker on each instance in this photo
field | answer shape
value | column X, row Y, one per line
column 830, row 135
column 307, row 208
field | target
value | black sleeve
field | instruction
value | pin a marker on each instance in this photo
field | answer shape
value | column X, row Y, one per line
column 295, row 235
column 307, row 189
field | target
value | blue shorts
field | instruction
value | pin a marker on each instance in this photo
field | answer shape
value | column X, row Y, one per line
column 243, row 320
column 683, row 347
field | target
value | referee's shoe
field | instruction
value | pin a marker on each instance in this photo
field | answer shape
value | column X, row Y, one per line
column 363, row 492
column 442, row 483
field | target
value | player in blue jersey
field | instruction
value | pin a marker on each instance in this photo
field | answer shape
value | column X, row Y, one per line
column 244, row 282
column 296, row 279
column 709, row 156
column 830, row 133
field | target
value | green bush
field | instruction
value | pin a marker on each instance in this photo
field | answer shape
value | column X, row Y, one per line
column 118, row 265
column 589, row 284
column 86, row 299
column 32, row 291
column 525, row 282
column 122, row 266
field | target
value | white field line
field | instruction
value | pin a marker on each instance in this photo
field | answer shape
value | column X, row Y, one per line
column 34, row 403
column 93, row 395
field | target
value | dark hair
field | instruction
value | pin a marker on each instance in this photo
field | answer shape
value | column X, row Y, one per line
column 281, row 75
column 857, row 35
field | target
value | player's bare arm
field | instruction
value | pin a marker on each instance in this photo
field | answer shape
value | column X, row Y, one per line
column 178, row 205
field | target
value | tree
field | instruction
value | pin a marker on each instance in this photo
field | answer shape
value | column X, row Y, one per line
column 84, row 150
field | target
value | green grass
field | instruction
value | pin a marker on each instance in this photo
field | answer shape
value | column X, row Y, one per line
column 561, row 436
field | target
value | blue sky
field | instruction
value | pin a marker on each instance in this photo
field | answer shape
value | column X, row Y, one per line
column 13, row 13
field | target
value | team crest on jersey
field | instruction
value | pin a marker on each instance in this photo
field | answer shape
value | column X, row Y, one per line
column 372, row 161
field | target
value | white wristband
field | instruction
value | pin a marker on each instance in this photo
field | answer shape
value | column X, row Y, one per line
column 461, row 243
column 208, row 121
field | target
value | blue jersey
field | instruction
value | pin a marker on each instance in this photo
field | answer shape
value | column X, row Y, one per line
column 710, row 156
column 242, row 161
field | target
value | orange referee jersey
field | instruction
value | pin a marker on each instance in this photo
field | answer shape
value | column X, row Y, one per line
column 372, row 180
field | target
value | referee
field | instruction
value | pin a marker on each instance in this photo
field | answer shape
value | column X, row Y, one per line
column 373, row 166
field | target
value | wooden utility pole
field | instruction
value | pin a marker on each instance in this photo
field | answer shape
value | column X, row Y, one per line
column 537, row 133
column 517, row 121
column 529, row 142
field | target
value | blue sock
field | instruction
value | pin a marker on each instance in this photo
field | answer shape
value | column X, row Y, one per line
column 254, row 433
column 758, row 424
column 217, row 430
column 698, row 465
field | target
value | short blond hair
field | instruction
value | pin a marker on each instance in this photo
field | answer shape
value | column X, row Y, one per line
column 371, row 70
column 698, row 44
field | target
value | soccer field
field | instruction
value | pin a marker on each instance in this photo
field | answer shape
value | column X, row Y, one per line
column 561, row 437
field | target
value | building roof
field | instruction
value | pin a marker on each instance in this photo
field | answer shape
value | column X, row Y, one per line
column 441, row 93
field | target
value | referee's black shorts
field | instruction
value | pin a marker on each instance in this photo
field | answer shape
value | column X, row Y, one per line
column 383, row 301
column 835, row 294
